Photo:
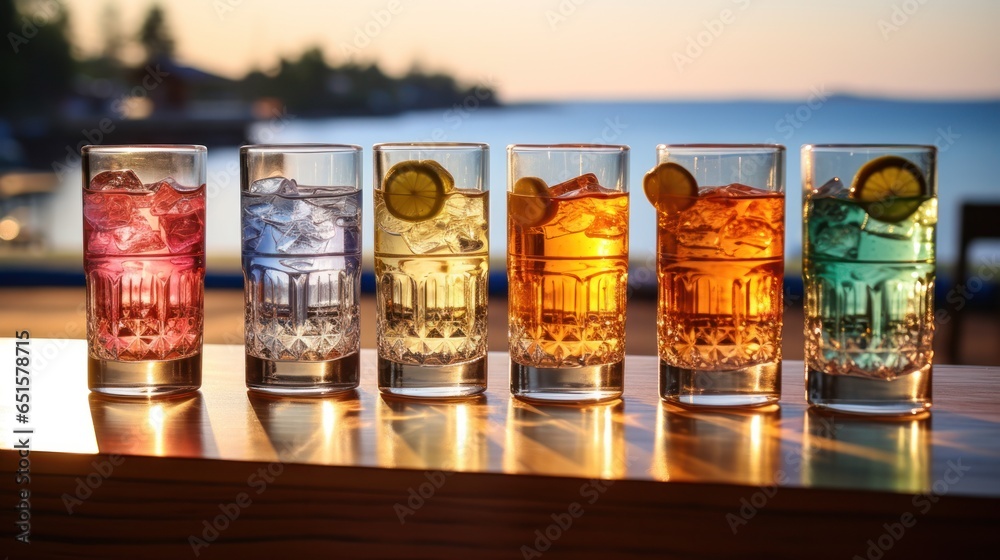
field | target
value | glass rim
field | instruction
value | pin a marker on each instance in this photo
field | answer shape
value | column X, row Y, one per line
column 845, row 147
column 597, row 148
column 127, row 148
column 299, row 148
column 388, row 146
column 725, row 148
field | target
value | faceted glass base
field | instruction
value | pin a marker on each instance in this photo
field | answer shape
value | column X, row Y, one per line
column 756, row 385
column 567, row 385
column 904, row 395
column 302, row 378
column 433, row 382
column 144, row 379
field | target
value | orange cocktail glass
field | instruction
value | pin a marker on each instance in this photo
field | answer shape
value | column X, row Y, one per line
column 567, row 266
column 720, row 268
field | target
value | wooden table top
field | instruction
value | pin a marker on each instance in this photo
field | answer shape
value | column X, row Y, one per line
column 955, row 450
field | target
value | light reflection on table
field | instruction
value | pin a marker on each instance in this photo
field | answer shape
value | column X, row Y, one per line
column 426, row 435
column 738, row 446
column 325, row 431
column 636, row 438
column 160, row 428
column 852, row 452
column 586, row 441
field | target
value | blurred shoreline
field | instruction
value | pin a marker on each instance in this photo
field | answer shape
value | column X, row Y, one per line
column 966, row 132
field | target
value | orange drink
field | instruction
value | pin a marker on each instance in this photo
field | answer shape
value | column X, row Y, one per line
column 720, row 250
column 567, row 265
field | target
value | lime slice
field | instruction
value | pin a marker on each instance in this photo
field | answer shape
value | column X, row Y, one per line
column 415, row 191
column 890, row 188
column 670, row 188
column 532, row 205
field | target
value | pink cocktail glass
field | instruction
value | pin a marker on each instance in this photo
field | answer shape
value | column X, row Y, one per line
column 144, row 261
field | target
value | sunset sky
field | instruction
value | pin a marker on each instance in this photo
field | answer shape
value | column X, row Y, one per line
column 603, row 49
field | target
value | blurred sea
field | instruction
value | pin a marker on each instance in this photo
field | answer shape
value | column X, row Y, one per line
column 967, row 134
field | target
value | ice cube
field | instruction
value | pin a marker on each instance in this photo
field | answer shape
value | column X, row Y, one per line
column 168, row 200
column 341, row 199
column 320, row 215
column 900, row 231
column 283, row 211
column 389, row 224
column 732, row 190
column 589, row 189
column 608, row 225
column 426, row 236
column 460, row 226
column 271, row 185
column 769, row 209
column 832, row 209
column 105, row 211
column 698, row 227
column 574, row 184
column 102, row 243
column 839, row 241
column 290, row 188
column 466, row 224
column 182, row 231
column 581, row 217
column 252, row 230
column 301, row 265
column 610, row 219
column 831, row 189
column 347, row 222
column 746, row 237
column 124, row 180
column 138, row 237
column 696, row 233
column 264, row 241
column 254, row 208
column 304, row 236
column 464, row 243
column 257, row 206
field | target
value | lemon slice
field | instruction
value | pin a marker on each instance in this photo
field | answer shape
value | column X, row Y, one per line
column 670, row 187
column 890, row 188
column 415, row 191
column 449, row 181
column 532, row 205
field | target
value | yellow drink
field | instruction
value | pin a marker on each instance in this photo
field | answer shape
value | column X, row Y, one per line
column 432, row 272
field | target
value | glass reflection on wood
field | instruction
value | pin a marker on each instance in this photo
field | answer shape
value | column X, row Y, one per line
column 729, row 446
column 447, row 436
column 176, row 427
column 310, row 430
column 585, row 441
column 856, row 452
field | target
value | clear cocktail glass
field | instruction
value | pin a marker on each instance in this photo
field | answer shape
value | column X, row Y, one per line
column 301, row 219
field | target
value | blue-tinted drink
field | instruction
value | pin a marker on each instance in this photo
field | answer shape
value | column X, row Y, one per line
column 302, row 269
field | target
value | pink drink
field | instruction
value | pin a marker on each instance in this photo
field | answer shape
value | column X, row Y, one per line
column 144, row 260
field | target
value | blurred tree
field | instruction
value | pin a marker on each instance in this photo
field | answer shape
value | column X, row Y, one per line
column 40, row 59
column 38, row 54
column 111, row 30
column 155, row 36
